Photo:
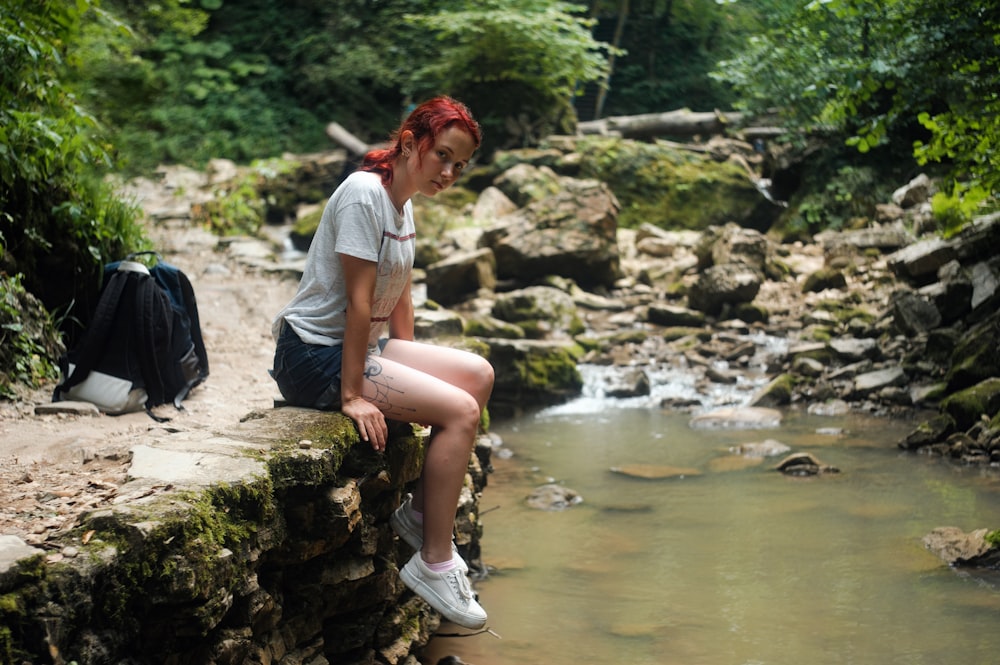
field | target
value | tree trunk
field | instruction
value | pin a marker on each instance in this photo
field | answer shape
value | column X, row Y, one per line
column 682, row 122
column 602, row 90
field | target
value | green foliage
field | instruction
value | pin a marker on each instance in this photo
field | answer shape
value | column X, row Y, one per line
column 239, row 212
column 516, row 63
column 954, row 209
column 59, row 221
column 833, row 199
column 29, row 343
column 174, row 89
column 914, row 75
column 671, row 48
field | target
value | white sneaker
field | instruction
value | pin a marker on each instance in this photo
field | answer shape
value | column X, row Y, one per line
column 406, row 526
column 409, row 529
column 450, row 592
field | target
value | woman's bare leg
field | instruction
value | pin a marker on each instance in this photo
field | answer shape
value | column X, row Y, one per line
column 446, row 389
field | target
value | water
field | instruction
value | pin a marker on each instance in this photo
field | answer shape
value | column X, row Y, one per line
column 730, row 567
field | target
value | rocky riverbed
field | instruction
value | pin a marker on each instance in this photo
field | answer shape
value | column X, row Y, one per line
column 880, row 319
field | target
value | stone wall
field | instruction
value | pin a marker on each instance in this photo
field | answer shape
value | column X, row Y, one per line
column 266, row 544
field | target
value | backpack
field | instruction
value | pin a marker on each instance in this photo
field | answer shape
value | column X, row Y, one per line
column 143, row 347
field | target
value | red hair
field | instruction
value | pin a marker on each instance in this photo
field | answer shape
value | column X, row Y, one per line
column 426, row 122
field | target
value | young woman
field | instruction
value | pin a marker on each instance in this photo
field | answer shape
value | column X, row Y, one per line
column 331, row 353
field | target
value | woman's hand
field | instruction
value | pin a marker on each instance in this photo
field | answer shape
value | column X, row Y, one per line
column 370, row 421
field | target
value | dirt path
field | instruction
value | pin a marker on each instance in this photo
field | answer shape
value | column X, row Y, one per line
column 55, row 467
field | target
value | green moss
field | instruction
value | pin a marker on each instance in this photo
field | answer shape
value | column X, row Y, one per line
column 697, row 335
column 12, row 613
column 845, row 311
column 670, row 188
column 822, row 279
column 552, row 371
column 778, row 391
column 967, row 406
column 977, row 356
column 751, row 313
column 818, row 333
column 823, row 355
column 993, row 538
column 171, row 548
column 306, row 225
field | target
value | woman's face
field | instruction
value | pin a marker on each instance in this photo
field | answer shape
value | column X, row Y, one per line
column 437, row 169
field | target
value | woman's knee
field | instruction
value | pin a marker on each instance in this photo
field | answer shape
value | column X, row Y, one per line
column 466, row 412
column 485, row 376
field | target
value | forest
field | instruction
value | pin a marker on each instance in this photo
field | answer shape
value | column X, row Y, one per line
column 95, row 89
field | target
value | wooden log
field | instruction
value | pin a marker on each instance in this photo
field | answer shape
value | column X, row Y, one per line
column 682, row 122
column 346, row 140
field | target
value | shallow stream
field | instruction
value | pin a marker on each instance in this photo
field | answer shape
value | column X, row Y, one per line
column 735, row 566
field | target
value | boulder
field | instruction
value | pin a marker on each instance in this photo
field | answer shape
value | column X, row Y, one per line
column 492, row 205
column 542, row 311
column 524, row 183
column 921, row 261
column 803, row 464
column 739, row 245
column 553, row 497
column 913, row 314
column 914, row 192
column 872, row 382
column 461, row 275
column 673, row 316
column 721, row 285
column 531, row 373
column 977, row 356
column 956, row 547
column 737, row 418
column 966, row 407
column 572, row 233
column 634, row 382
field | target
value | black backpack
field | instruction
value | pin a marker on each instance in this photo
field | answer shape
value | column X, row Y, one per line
column 143, row 347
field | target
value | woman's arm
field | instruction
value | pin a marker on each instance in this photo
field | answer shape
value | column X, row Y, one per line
column 401, row 318
column 359, row 276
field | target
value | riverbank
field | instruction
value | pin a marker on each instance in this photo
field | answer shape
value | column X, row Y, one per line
column 862, row 315
column 55, row 466
column 853, row 313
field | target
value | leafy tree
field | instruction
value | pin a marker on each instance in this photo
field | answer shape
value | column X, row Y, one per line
column 671, row 46
column 516, row 63
column 171, row 82
column 59, row 221
column 911, row 79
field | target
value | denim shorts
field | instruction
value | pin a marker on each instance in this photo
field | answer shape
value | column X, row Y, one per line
column 307, row 374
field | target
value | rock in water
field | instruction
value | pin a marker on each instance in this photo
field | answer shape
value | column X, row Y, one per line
column 654, row 471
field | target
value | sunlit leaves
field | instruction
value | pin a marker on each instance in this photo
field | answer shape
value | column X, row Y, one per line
column 877, row 71
column 545, row 44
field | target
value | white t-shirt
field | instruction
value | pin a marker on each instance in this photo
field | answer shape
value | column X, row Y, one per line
column 359, row 220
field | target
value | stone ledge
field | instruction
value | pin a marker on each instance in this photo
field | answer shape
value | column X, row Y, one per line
column 267, row 543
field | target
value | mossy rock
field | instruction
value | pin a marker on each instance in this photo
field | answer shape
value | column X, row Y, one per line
column 488, row 326
column 823, row 279
column 776, row 393
column 539, row 311
column 304, row 229
column 751, row 313
column 669, row 187
column 929, row 432
column 967, row 406
column 977, row 356
column 531, row 373
column 697, row 335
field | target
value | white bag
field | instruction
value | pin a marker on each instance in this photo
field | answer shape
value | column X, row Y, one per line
column 110, row 394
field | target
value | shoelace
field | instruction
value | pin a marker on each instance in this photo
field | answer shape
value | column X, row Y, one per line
column 459, row 584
